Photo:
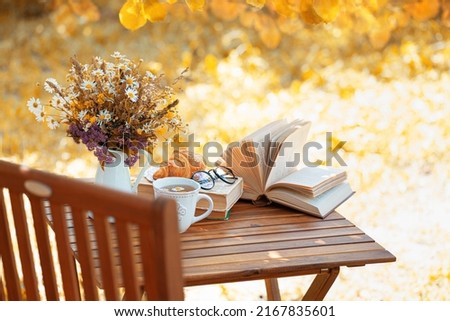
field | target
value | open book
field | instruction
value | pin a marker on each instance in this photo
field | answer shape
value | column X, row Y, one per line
column 270, row 162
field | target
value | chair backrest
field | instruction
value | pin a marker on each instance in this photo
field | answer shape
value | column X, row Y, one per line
column 51, row 250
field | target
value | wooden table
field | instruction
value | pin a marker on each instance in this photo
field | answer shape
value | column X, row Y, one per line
column 266, row 243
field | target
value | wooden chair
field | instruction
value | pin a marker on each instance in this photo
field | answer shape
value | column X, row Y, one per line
column 32, row 248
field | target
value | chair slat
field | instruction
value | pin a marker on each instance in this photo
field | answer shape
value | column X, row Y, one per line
column 108, row 254
column 85, row 254
column 103, row 234
column 169, row 250
column 67, row 264
column 128, row 261
column 164, row 245
column 23, row 241
column 149, row 271
column 45, row 253
column 7, row 257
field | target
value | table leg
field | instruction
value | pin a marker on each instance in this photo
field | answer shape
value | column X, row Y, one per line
column 272, row 289
column 321, row 284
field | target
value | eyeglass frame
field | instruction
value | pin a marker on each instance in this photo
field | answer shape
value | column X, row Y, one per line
column 234, row 178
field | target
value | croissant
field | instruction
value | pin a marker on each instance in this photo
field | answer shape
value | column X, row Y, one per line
column 181, row 164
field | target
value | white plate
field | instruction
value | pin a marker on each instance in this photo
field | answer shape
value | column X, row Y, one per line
column 148, row 174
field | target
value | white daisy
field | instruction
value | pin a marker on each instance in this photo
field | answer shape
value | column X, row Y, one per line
column 52, row 123
column 132, row 94
column 97, row 73
column 150, row 75
column 34, row 105
column 103, row 116
column 109, row 88
column 109, row 66
column 123, row 67
column 71, row 96
column 49, row 88
column 40, row 116
column 130, row 81
column 98, row 60
column 117, row 55
column 57, row 102
column 88, row 85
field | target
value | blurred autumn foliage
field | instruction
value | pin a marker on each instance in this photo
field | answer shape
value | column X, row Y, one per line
column 273, row 18
column 375, row 73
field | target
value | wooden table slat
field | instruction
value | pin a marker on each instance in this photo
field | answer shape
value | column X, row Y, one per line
column 199, row 275
column 280, row 255
column 275, row 246
column 273, row 237
column 255, row 229
column 271, row 217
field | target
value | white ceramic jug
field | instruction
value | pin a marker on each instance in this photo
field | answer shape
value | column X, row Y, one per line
column 116, row 175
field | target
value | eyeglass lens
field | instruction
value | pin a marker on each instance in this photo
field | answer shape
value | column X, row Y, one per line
column 224, row 174
column 204, row 179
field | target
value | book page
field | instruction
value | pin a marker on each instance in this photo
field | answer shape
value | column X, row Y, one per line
column 290, row 154
column 243, row 159
column 318, row 206
column 312, row 181
column 247, row 158
column 277, row 138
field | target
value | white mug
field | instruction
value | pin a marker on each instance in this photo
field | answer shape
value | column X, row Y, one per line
column 186, row 200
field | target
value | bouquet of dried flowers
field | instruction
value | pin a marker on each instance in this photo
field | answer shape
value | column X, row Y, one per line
column 111, row 105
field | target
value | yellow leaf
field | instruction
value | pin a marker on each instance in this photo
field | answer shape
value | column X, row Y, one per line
column 327, row 9
column 85, row 8
column 211, row 63
column 282, row 7
column 131, row 15
column 401, row 18
column 446, row 13
column 379, row 37
column 248, row 18
column 375, row 5
column 307, row 12
column 423, row 10
column 270, row 37
column 226, row 9
column 155, row 11
column 195, row 4
column 257, row 3
column 171, row 1
column 268, row 31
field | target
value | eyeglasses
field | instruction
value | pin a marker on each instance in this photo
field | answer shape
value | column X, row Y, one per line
column 207, row 179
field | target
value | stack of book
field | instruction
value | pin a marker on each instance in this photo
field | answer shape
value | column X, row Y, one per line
column 269, row 161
